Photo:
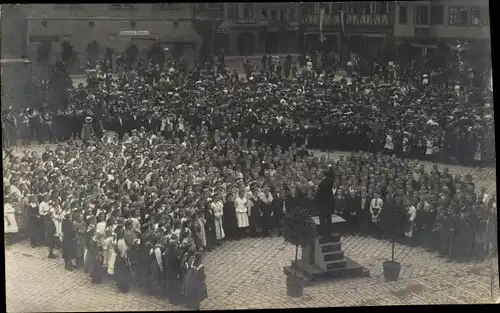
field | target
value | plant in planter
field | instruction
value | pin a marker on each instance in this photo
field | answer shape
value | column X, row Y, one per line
column 393, row 223
column 299, row 230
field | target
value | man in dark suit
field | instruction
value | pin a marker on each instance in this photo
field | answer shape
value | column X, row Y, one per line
column 353, row 211
column 278, row 207
column 325, row 203
column 133, row 121
column 339, row 204
column 119, row 125
column 365, row 215
column 150, row 123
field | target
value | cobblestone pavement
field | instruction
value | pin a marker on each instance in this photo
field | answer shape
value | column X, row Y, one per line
column 249, row 274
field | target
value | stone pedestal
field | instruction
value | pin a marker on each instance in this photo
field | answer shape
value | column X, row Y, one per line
column 324, row 259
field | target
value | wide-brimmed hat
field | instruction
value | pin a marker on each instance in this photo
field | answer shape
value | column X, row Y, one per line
column 88, row 119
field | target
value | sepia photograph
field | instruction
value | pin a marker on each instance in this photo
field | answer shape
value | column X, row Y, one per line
column 237, row 156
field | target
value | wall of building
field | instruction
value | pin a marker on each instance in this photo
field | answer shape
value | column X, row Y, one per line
column 445, row 28
column 84, row 23
column 239, row 19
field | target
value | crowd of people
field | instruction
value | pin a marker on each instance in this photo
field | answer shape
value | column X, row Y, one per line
column 203, row 156
column 424, row 117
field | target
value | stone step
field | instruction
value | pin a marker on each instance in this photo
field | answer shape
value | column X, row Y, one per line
column 298, row 272
column 315, row 274
column 350, row 270
column 332, row 265
column 330, row 247
column 333, row 256
column 332, row 238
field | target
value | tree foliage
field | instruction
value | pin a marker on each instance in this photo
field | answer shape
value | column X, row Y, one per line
column 394, row 223
column 299, row 228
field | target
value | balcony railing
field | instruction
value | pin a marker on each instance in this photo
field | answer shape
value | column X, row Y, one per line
column 381, row 20
column 208, row 13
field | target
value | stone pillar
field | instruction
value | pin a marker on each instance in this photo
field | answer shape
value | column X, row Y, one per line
column 12, row 25
column 16, row 69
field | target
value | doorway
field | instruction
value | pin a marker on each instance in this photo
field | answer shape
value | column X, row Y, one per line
column 246, row 43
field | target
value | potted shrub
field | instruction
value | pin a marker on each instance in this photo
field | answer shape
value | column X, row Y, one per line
column 394, row 223
column 299, row 230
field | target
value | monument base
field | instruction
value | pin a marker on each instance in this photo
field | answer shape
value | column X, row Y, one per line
column 325, row 260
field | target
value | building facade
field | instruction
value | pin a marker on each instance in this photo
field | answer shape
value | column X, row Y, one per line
column 109, row 28
column 292, row 27
column 424, row 23
column 250, row 28
column 361, row 27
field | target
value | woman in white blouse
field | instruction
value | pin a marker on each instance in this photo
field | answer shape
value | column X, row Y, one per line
column 216, row 207
column 9, row 219
column 240, row 204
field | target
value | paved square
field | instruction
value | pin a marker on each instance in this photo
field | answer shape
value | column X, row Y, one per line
column 249, row 274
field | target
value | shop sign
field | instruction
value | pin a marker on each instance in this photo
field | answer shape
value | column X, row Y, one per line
column 44, row 38
column 245, row 22
column 134, row 33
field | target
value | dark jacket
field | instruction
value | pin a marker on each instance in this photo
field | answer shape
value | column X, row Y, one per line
column 324, row 196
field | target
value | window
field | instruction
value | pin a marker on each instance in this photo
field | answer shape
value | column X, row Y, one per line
column 325, row 6
column 202, row 6
column 403, row 14
column 232, row 11
column 291, row 14
column 365, row 8
column 248, row 11
column 458, row 16
column 263, row 14
column 475, row 16
column 274, row 15
column 336, row 7
column 214, row 6
column 463, row 16
column 437, row 15
column 452, row 16
column 118, row 6
column 352, row 8
column 422, row 15
column 69, row 6
column 381, row 8
column 310, row 8
column 167, row 6
column 282, row 15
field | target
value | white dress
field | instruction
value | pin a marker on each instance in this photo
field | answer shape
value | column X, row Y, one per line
column 9, row 219
column 57, row 218
column 430, row 147
column 477, row 154
column 217, row 207
column 412, row 212
column 240, row 205
column 388, row 142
